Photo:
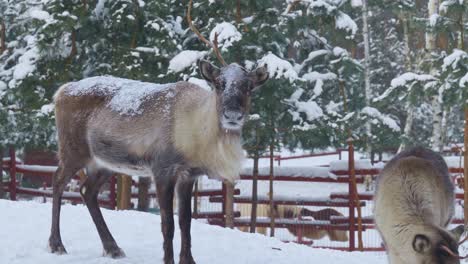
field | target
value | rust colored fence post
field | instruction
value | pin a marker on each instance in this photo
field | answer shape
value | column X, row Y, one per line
column 352, row 234
column 465, row 168
column 12, row 174
column 112, row 194
column 2, row 191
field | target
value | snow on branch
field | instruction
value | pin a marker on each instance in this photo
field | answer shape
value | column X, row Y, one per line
column 278, row 67
column 185, row 59
column 407, row 78
column 376, row 117
column 453, row 59
column 464, row 80
column 319, row 79
column 227, row 35
column 310, row 108
column 344, row 22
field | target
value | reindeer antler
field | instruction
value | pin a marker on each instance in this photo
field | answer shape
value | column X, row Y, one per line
column 451, row 253
column 213, row 45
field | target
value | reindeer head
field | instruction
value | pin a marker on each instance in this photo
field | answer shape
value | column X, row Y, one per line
column 436, row 246
column 233, row 85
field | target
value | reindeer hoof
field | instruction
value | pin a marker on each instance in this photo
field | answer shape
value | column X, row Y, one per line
column 114, row 253
column 57, row 248
column 187, row 260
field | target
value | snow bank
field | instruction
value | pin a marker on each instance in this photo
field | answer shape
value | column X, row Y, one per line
column 185, row 59
column 341, row 165
column 227, row 35
column 26, row 225
column 292, row 171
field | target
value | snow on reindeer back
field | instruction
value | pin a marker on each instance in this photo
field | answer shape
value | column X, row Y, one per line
column 126, row 95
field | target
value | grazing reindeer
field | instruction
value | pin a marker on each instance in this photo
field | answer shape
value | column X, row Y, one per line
column 414, row 204
column 294, row 212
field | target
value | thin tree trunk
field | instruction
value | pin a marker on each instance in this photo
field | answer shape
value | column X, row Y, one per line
column 465, row 209
column 253, row 213
column 436, row 101
column 2, row 36
column 368, row 92
column 272, row 204
column 461, row 32
column 437, row 116
column 409, row 106
column 408, row 126
column 229, row 204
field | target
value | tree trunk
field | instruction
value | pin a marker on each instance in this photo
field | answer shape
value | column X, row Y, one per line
column 253, row 212
column 409, row 106
column 124, row 192
column 431, row 46
column 272, row 204
column 437, row 116
column 143, row 193
column 368, row 92
column 229, row 209
column 408, row 126
column 465, row 208
column 2, row 36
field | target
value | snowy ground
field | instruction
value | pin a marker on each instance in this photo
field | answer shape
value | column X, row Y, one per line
column 24, row 229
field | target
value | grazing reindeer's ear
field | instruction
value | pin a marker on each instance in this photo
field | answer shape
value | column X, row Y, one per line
column 457, row 232
column 259, row 76
column 208, row 70
column 421, row 244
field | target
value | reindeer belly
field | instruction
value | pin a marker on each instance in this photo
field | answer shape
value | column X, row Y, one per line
column 116, row 156
column 124, row 168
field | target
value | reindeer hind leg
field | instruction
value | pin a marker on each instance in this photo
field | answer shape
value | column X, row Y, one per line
column 90, row 190
column 61, row 177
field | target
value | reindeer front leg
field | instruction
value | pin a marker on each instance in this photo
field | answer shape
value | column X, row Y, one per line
column 165, row 184
column 184, row 195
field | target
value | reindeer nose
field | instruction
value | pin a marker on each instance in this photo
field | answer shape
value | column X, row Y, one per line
column 233, row 115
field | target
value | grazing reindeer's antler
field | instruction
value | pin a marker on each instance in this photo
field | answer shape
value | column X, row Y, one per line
column 451, row 253
column 213, row 45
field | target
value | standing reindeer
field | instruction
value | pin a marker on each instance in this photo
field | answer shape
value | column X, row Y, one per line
column 173, row 132
column 414, row 204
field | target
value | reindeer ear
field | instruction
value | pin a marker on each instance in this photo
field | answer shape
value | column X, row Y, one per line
column 421, row 244
column 457, row 232
column 259, row 76
column 208, row 70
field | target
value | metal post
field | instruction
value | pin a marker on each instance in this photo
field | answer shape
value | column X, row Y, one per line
column 352, row 246
column 12, row 174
